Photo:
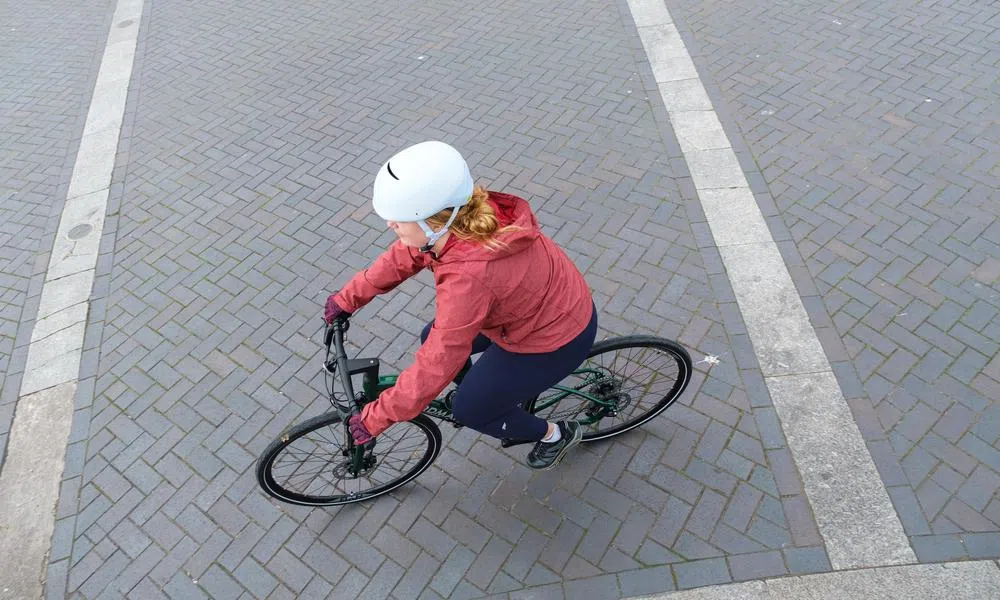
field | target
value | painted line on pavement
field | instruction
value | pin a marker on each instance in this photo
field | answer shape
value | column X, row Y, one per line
column 855, row 516
column 972, row 580
column 33, row 468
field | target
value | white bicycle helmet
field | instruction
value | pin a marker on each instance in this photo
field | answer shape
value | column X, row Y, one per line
column 420, row 181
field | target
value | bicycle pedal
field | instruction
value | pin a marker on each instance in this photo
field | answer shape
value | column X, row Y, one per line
column 507, row 442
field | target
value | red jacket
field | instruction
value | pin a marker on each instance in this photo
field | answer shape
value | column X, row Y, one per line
column 527, row 297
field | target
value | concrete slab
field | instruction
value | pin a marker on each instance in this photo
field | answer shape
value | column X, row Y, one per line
column 78, row 238
column 59, row 294
column 698, row 130
column 662, row 42
column 734, row 217
column 59, row 320
column 116, row 64
column 686, row 94
column 838, row 474
column 94, row 162
column 108, row 106
column 47, row 349
column 30, row 482
column 649, row 12
column 711, row 169
column 674, row 69
column 779, row 328
column 64, row 369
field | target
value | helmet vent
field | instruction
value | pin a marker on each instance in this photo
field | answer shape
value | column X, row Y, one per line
column 389, row 168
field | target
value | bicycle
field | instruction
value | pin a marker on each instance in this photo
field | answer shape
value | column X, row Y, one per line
column 320, row 451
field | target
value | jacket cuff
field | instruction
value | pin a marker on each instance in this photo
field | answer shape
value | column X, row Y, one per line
column 372, row 422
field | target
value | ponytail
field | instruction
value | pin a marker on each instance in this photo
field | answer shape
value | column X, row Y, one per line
column 476, row 221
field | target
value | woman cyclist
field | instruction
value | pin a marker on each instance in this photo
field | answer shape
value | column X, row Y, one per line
column 503, row 289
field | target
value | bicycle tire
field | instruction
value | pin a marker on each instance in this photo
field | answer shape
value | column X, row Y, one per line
column 424, row 451
column 674, row 353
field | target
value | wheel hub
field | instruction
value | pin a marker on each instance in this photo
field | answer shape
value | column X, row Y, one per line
column 344, row 470
column 609, row 391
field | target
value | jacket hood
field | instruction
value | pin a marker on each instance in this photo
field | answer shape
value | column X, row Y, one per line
column 510, row 211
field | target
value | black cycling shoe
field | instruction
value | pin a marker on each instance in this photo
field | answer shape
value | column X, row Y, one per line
column 547, row 455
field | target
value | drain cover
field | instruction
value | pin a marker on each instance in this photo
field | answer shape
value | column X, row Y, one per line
column 79, row 231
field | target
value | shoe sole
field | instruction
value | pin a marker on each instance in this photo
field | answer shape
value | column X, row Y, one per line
column 577, row 438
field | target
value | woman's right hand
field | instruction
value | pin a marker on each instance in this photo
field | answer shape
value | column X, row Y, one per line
column 358, row 430
column 334, row 311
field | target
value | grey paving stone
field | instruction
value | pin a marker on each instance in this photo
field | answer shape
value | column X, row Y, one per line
column 292, row 572
column 252, row 576
column 742, row 507
column 914, row 522
column 701, row 573
column 417, row 577
column 536, row 514
column 806, row 560
column 693, row 548
column 642, row 582
column 982, row 545
column 501, row 523
column 938, row 548
column 731, row 541
column 757, row 566
column 317, row 589
column 542, row 592
column 218, row 584
column 129, row 538
column 488, row 562
column 385, row 579
column 277, row 535
column 350, row 585
column 452, row 570
column 769, row 534
column 710, row 476
column 182, row 587
column 360, row 554
column 603, row 586
column 324, row 561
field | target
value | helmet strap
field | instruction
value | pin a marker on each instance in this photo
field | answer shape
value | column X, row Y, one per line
column 434, row 236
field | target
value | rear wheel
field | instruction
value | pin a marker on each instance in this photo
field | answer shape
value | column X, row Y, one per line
column 311, row 465
column 630, row 380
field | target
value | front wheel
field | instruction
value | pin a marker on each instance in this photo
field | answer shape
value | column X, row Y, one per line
column 311, row 465
column 624, row 383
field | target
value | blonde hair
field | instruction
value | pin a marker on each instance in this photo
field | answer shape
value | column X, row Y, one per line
column 476, row 221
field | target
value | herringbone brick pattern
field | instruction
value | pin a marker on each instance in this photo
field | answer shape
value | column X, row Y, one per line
column 244, row 200
column 47, row 68
column 875, row 128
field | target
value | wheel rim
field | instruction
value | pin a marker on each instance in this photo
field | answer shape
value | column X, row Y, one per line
column 312, row 467
column 635, row 380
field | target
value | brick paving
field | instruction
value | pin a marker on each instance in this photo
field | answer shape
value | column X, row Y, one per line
column 240, row 200
column 874, row 130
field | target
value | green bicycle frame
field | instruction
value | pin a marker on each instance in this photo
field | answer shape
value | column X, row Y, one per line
column 590, row 377
column 375, row 384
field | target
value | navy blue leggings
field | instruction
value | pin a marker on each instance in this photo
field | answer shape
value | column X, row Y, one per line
column 491, row 397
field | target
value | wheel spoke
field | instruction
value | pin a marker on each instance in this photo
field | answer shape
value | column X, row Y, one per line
column 312, row 467
column 643, row 378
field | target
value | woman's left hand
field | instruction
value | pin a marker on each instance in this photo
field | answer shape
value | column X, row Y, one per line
column 358, row 430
